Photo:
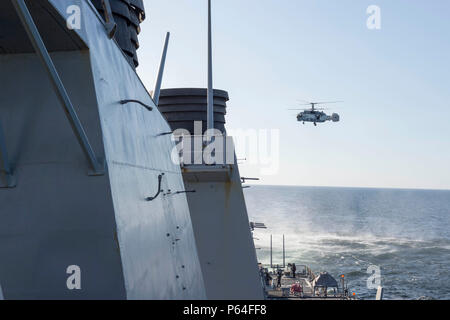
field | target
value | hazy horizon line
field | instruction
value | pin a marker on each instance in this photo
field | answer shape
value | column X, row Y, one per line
column 347, row 187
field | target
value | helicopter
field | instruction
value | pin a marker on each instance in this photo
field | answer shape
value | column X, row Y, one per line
column 316, row 115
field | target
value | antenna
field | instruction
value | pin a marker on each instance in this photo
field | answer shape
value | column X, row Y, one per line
column 210, row 95
column 158, row 84
column 271, row 265
column 284, row 254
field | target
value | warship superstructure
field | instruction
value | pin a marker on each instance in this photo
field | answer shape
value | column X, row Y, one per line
column 92, row 206
column 105, row 190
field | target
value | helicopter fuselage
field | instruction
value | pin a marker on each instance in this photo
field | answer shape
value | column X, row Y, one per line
column 316, row 117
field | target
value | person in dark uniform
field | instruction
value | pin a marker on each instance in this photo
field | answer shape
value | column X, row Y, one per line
column 279, row 275
column 268, row 278
column 294, row 269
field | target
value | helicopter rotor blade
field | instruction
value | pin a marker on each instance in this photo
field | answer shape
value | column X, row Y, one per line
column 308, row 109
column 328, row 102
column 316, row 103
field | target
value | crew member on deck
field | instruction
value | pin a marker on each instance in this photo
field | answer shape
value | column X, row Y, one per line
column 268, row 278
column 279, row 275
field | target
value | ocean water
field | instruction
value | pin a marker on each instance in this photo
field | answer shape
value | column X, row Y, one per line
column 345, row 230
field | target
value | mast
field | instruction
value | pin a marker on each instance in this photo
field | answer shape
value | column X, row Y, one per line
column 210, row 107
column 157, row 91
column 271, row 265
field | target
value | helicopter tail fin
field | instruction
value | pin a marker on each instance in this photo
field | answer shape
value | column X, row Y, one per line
column 335, row 117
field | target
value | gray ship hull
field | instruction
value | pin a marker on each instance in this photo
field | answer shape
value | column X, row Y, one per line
column 57, row 215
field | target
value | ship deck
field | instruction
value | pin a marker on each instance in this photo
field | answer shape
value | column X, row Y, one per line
column 284, row 292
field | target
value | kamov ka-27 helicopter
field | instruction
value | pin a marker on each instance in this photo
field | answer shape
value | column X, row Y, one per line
column 316, row 115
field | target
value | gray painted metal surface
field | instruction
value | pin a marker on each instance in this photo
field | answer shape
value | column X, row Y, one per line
column 97, row 166
column 218, row 210
column 124, row 18
column 182, row 106
column 110, row 24
column 13, row 37
column 57, row 216
column 6, row 173
column 224, row 241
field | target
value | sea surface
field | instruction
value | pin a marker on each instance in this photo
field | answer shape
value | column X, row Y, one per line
column 406, row 233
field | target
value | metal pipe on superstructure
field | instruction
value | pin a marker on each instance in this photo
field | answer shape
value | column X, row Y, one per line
column 32, row 31
column 210, row 107
column 111, row 26
column 159, row 78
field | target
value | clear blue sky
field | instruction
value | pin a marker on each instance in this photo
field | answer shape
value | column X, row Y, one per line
column 395, row 122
